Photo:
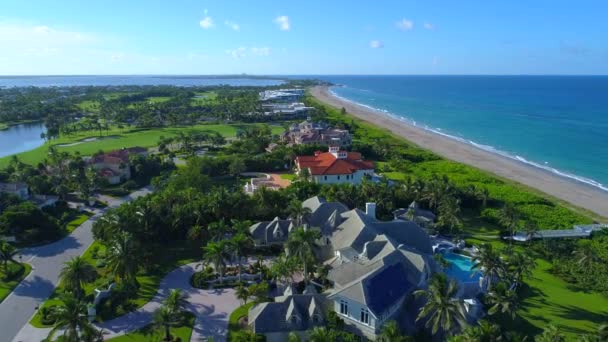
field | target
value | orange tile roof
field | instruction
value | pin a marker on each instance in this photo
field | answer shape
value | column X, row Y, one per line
column 327, row 164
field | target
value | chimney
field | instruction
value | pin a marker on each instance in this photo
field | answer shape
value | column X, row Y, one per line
column 370, row 209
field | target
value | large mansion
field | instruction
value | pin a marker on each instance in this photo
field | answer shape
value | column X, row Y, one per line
column 335, row 166
column 375, row 267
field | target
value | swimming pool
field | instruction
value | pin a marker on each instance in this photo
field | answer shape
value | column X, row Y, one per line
column 461, row 268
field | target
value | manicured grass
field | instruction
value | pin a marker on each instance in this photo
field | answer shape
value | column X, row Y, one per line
column 550, row 300
column 152, row 334
column 120, row 138
column 77, row 221
column 158, row 99
column 173, row 256
column 7, row 286
column 288, row 176
column 90, row 106
column 233, row 320
column 203, row 98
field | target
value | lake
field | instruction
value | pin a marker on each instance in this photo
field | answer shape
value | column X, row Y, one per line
column 21, row 138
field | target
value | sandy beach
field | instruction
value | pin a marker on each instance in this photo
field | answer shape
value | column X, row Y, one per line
column 578, row 194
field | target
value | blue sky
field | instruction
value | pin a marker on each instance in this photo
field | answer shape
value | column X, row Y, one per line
column 303, row 37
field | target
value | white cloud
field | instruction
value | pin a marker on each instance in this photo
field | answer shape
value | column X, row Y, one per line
column 238, row 53
column 117, row 57
column 260, row 51
column 283, row 22
column 206, row 22
column 243, row 51
column 376, row 44
column 405, row 24
column 234, row 26
column 428, row 26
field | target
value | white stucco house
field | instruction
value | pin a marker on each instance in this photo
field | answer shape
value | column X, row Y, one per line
column 335, row 166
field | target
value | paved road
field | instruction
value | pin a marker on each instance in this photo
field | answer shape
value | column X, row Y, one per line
column 211, row 307
column 47, row 261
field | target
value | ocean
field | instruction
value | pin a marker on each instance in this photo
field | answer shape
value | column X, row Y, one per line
column 125, row 80
column 558, row 123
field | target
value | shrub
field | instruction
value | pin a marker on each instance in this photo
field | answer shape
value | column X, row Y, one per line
column 47, row 314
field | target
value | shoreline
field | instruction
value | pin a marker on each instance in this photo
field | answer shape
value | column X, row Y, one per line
column 569, row 190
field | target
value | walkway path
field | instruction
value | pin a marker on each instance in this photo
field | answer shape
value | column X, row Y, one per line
column 211, row 307
column 47, row 261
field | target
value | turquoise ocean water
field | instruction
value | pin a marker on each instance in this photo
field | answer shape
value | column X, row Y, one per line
column 559, row 123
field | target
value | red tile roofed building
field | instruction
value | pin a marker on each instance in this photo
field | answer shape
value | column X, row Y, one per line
column 114, row 166
column 336, row 166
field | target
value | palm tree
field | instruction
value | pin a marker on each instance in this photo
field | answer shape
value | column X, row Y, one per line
column 300, row 245
column 320, row 334
column 502, row 298
column 442, row 310
column 298, row 212
column 530, row 229
column 488, row 261
column 483, row 195
column 520, row 265
column 293, row 337
column 239, row 245
column 7, row 251
column 585, row 254
column 509, row 217
column 217, row 230
column 165, row 318
column 122, row 258
column 217, row 253
column 482, row 332
column 71, row 316
column 602, row 332
column 75, row 273
column 551, row 334
column 390, row 333
column 242, row 293
column 449, row 209
column 176, row 301
column 282, row 268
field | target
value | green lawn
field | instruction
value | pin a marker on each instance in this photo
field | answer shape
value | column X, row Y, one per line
column 550, row 300
column 203, row 98
column 233, row 320
column 90, row 106
column 288, row 176
column 117, row 138
column 77, row 221
column 173, row 256
column 158, row 99
column 152, row 334
column 6, row 286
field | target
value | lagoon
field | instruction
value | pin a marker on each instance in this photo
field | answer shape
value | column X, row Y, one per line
column 21, row 138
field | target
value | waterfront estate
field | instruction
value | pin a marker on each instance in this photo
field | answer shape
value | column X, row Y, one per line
column 335, row 166
column 375, row 266
column 318, row 133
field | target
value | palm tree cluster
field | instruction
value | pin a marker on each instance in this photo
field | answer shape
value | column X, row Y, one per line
column 170, row 314
column 220, row 249
column 503, row 276
column 7, row 252
column 70, row 316
column 443, row 312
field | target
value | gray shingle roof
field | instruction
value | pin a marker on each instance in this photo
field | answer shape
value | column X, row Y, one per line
column 358, row 228
column 271, row 231
column 321, row 210
column 292, row 313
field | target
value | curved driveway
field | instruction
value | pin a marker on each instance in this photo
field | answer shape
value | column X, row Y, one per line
column 47, row 261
